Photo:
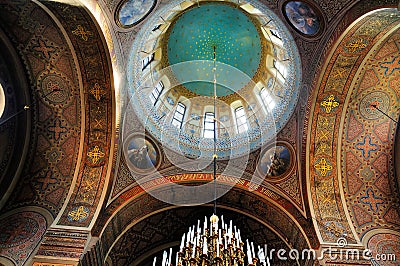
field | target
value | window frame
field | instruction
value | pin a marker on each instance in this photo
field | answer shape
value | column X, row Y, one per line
column 280, row 67
column 267, row 99
column 206, row 129
column 241, row 120
column 175, row 121
column 156, row 92
column 147, row 61
column 156, row 27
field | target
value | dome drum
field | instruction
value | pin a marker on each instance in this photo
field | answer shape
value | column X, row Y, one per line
column 172, row 73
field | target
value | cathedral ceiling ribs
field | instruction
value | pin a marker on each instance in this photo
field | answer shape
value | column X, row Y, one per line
column 72, row 99
column 95, row 68
column 55, row 102
column 350, row 164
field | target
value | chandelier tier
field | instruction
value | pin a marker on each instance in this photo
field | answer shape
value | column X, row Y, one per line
column 214, row 246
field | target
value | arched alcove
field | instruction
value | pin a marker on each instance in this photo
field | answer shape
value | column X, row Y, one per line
column 15, row 123
column 238, row 202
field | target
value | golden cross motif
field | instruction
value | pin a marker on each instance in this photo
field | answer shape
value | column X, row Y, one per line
column 323, row 167
column 98, row 123
column 323, row 135
column 96, row 154
column 339, row 73
column 97, row 91
column 89, row 185
column 329, row 103
column 324, row 122
column 81, row 32
column 323, row 146
column 78, row 214
column 356, row 45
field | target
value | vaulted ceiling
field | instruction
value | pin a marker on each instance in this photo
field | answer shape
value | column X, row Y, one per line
column 69, row 192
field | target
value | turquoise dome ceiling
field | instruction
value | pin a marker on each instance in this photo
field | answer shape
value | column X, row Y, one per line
column 193, row 37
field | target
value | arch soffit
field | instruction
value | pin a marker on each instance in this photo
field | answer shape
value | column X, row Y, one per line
column 331, row 104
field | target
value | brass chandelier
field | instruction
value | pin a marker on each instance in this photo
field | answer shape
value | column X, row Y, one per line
column 214, row 245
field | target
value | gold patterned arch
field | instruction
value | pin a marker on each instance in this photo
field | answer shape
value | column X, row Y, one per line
column 349, row 149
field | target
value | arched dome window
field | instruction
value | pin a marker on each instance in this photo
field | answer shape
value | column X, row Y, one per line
column 147, row 61
column 208, row 130
column 267, row 99
column 155, row 94
column 177, row 119
column 282, row 70
column 241, row 120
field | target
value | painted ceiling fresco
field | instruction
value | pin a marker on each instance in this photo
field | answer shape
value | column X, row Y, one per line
column 332, row 175
column 351, row 148
column 132, row 12
column 234, row 36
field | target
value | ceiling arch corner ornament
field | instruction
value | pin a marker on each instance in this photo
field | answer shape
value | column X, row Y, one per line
column 278, row 166
column 130, row 12
column 141, row 153
column 350, row 166
column 305, row 17
column 276, row 162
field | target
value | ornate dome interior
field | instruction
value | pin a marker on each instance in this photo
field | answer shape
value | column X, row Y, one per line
column 249, row 53
column 107, row 115
column 195, row 33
